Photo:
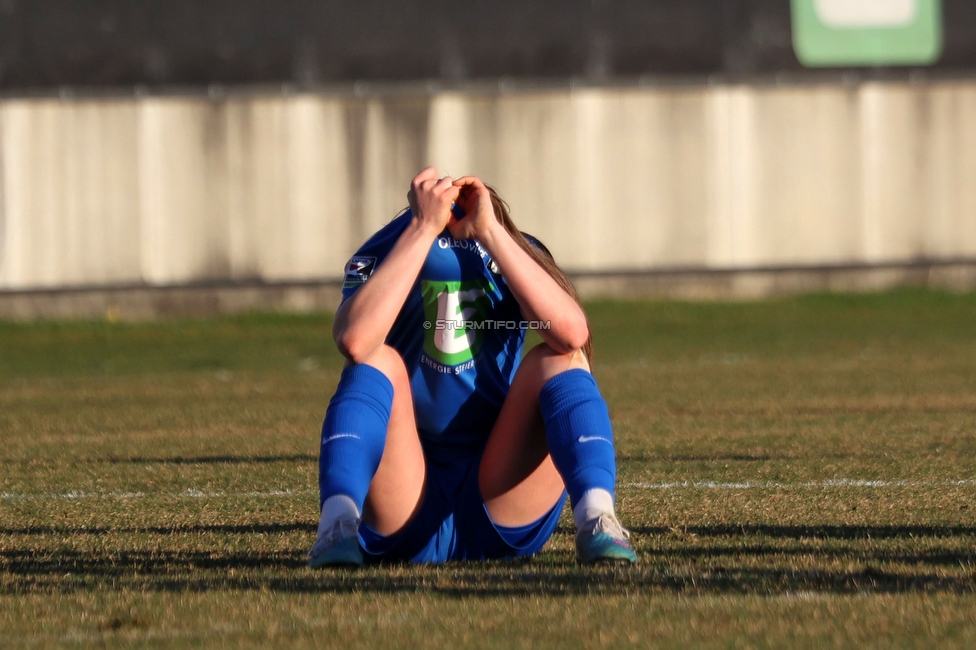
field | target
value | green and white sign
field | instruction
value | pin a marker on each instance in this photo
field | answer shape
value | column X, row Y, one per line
column 838, row 33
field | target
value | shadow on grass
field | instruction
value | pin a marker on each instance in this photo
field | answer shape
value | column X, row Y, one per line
column 939, row 556
column 285, row 572
column 669, row 565
column 227, row 529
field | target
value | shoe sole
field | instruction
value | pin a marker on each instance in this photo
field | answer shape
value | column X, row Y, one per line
column 337, row 562
column 616, row 561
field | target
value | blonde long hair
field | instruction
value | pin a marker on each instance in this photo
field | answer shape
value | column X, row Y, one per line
column 541, row 255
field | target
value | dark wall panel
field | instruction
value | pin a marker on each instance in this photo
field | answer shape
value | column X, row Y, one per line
column 45, row 44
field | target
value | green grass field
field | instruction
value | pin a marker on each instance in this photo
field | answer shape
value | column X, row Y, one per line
column 796, row 473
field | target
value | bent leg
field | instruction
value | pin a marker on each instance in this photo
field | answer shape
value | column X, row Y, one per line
column 371, row 451
column 397, row 487
column 518, row 480
column 580, row 439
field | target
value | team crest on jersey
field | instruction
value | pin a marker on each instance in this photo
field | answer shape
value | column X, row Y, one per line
column 448, row 306
column 358, row 270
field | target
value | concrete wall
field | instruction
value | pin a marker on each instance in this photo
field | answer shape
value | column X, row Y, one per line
column 176, row 190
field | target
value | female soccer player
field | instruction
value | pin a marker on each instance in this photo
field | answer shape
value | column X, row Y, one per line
column 442, row 443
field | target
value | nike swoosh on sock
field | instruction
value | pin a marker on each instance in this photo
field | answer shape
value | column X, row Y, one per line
column 340, row 435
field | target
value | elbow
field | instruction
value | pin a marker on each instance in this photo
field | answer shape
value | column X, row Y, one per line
column 353, row 347
column 572, row 336
column 577, row 338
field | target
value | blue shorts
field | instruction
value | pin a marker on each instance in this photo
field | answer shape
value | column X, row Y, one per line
column 453, row 521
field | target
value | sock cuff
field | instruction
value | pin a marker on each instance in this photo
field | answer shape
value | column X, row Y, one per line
column 565, row 389
column 369, row 384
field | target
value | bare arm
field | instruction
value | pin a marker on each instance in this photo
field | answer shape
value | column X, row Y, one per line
column 538, row 294
column 363, row 321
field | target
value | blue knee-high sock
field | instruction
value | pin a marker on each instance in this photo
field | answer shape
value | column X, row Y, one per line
column 354, row 433
column 578, row 432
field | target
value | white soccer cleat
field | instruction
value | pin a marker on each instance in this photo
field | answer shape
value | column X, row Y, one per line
column 337, row 546
column 603, row 539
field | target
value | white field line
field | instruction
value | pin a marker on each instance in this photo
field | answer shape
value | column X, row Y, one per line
column 775, row 485
column 192, row 493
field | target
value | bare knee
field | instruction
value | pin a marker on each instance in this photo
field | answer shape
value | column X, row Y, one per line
column 388, row 361
column 548, row 363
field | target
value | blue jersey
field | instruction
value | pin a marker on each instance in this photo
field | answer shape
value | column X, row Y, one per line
column 459, row 334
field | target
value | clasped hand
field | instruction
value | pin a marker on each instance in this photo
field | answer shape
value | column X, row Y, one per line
column 431, row 199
